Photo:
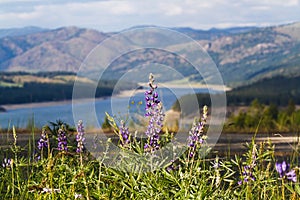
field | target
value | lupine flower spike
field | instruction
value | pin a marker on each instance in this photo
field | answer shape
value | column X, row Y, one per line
column 6, row 163
column 62, row 140
column 247, row 171
column 154, row 110
column 43, row 141
column 80, row 137
column 196, row 134
column 124, row 134
column 283, row 171
column 247, row 175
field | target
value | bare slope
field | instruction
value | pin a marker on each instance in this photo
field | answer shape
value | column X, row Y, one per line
column 243, row 55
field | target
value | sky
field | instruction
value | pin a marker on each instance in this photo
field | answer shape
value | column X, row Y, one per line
column 113, row 15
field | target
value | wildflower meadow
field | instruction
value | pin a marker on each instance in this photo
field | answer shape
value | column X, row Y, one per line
column 57, row 165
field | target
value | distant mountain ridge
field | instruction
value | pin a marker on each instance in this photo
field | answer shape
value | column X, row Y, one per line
column 11, row 32
column 62, row 49
column 242, row 54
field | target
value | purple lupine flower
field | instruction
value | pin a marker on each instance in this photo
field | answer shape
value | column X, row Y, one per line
column 174, row 166
column 254, row 157
column 6, row 162
column 151, row 97
column 62, row 140
column 196, row 134
column 43, row 141
column 124, row 134
column 80, row 137
column 154, row 111
column 283, row 168
column 49, row 190
column 78, row 196
column 247, row 174
column 170, row 168
column 291, row 175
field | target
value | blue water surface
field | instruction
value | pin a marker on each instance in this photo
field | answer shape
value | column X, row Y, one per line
column 116, row 106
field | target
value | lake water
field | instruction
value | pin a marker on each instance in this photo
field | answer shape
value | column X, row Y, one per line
column 118, row 106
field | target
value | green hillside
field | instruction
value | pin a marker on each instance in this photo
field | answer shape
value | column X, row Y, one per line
column 278, row 90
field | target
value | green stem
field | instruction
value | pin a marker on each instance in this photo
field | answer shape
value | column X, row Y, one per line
column 84, row 178
column 99, row 178
column 13, row 180
column 51, row 185
column 15, row 150
column 49, row 169
column 249, row 192
column 282, row 189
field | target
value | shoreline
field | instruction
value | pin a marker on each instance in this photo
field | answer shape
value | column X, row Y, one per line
column 7, row 107
column 129, row 93
column 33, row 105
column 196, row 86
column 190, row 86
column 46, row 103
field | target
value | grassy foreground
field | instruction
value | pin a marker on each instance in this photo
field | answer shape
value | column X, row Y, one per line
column 60, row 166
column 54, row 174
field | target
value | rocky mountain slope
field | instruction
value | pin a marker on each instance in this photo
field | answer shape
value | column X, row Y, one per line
column 242, row 55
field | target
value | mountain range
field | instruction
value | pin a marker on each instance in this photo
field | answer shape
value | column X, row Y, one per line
column 242, row 54
column 11, row 32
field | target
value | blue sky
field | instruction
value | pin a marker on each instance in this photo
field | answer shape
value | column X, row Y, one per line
column 119, row 15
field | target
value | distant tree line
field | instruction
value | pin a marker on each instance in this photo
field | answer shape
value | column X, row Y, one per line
column 278, row 91
column 29, row 92
column 41, row 92
column 38, row 74
column 265, row 118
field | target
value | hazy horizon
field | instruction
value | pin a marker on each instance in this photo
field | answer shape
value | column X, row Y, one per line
column 148, row 25
column 111, row 16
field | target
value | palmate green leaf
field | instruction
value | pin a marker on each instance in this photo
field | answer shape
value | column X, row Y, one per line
column 236, row 161
column 92, row 173
column 117, row 173
column 170, row 177
column 133, row 180
column 112, row 123
column 289, row 187
column 128, row 186
column 297, row 189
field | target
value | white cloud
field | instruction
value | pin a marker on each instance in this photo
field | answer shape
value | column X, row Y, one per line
column 171, row 9
column 105, row 7
column 17, row 1
column 118, row 15
column 270, row 3
column 261, row 8
column 279, row 2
